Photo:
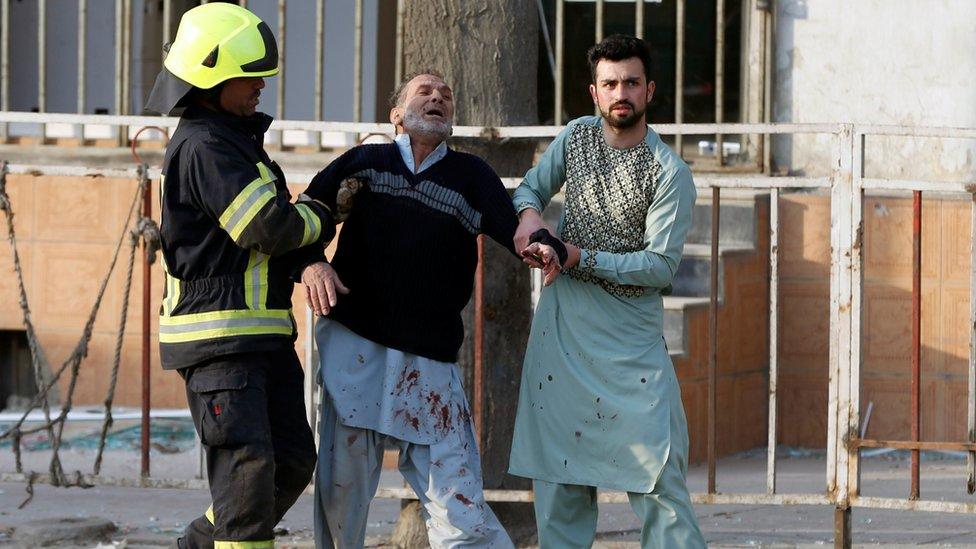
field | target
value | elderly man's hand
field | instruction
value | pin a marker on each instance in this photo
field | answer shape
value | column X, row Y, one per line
column 530, row 221
column 541, row 256
column 322, row 287
column 344, row 197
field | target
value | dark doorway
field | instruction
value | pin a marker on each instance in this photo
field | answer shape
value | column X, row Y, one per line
column 16, row 377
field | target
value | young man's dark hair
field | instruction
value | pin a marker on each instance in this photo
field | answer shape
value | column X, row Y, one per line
column 618, row 47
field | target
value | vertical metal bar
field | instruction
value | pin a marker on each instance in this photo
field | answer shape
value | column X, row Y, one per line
column 126, row 57
column 357, row 66
column 167, row 21
column 319, row 49
column 558, row 84
column 916, row 334
column 243, row 3
column 4, row 62
column 82, row 47
column 639, row 18
column 679, row 71
column 146, row 325
column 857, row 284
column 398, row 65
column 479, row 341
column 971, row 409
column 598, row 34
column 42, row 58
column 767, row 141
column 841, row 240
column 773, row 338
column 842, row 528
column 310, row 368
column 713, row 320
column 280, row 100
column 118, row 60
column 544, row 26
column 719, row 76
column 599, row 22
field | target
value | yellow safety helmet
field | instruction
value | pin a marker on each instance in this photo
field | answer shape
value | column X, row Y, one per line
column 215, row 42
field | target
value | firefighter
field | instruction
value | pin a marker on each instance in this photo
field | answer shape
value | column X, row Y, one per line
column 233, row 246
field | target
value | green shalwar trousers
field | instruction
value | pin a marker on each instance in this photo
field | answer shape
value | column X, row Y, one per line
column 566, row 514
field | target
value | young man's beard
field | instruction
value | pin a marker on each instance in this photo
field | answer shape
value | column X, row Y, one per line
column 623, row 122
column 414, row 122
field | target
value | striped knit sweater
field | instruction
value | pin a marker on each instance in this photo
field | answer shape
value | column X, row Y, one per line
column 408, row 250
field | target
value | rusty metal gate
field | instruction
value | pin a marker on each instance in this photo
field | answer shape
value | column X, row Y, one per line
column 846, row 184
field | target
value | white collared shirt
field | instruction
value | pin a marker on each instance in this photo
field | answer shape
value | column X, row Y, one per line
column 403, row 143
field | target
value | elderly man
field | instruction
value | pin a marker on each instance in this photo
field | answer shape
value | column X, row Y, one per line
column 232, row 245
column 393, row 294
column 599, row 404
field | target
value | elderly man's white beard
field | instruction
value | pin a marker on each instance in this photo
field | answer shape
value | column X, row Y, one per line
column 414, row 122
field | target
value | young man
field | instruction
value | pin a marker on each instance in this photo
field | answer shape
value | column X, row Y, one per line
column 405, row 264
column 599, row 404
column 232, row 244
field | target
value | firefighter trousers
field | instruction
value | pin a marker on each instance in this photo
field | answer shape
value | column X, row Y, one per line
column 250, row 414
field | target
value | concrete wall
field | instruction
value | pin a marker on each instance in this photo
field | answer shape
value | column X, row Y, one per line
column 900, row 62
column 886, row 330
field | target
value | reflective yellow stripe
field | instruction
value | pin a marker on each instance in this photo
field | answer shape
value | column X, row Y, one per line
column 266, row 544
column 256, row 280
column 216, row 324
column 313, row 225
column 210, row 515
column 265, row 172
column 172, row 291
column 248, row 203
column 172, row 298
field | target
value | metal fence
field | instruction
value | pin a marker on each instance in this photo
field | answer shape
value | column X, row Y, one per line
column 846, row 184
column 555, row 43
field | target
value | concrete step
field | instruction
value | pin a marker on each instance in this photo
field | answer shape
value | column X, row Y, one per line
column 676, row 323
column 691, row 288
column 737, row 216
column 693, row 278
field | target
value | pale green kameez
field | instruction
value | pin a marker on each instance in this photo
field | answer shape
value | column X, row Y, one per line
column 599, row 403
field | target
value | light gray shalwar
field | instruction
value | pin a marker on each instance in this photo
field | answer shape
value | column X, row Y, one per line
column 375, row 398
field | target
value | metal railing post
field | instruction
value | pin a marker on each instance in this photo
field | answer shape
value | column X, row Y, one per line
column 916, row 385
column 713, row 337
column 598, row 16
column 719, row 77
column 773, row 339
column 558, row 84
column 82, row 52
column 839, row 397
column 639, row 18
column 4, row 64
column 357, row 66
column 679, row 72
column 857, row 288
column 971, row 371
column 319, row 48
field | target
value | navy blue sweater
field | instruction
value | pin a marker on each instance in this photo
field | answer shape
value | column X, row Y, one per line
column 408, row 250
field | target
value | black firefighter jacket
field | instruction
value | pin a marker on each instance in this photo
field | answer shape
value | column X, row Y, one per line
column 232, row 241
